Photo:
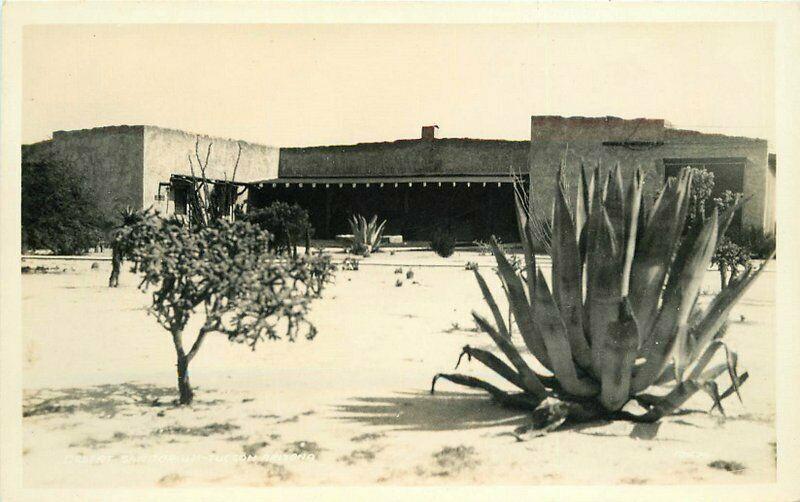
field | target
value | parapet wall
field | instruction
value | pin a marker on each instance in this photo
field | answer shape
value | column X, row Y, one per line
column 446, row 156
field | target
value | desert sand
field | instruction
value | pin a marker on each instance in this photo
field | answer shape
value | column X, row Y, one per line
column 351, row 407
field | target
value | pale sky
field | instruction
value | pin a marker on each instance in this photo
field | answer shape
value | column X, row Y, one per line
column 294, row 85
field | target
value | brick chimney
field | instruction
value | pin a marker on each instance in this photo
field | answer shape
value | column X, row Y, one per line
column 429, row 132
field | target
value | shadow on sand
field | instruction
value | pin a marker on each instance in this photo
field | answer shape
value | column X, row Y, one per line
column 422, row 411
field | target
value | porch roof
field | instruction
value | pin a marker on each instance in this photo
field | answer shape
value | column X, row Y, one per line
column 387, row 180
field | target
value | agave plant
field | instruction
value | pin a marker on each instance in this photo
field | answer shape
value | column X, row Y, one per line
column 620, row 315
column 367, row 235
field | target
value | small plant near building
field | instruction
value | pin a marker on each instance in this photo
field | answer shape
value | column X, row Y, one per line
column 637, row 324
column 729, row 258
column 471, row 265
column 289, row 225
column 367, row 235
column 350, row 263
column 443, row 242
column 752, row 239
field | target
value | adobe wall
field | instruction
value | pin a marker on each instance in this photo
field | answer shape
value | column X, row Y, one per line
column 407, row 157
column 166, row 152
column 551, row 137
column 108, row 159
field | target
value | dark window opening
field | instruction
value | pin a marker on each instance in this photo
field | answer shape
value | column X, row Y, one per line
column 180, row 194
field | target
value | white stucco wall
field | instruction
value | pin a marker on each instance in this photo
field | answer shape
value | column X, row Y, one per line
column 167, row 151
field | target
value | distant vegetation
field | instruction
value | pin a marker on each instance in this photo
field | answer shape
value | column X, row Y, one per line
column 289, row 225
column 443, row 242
column 59, row 214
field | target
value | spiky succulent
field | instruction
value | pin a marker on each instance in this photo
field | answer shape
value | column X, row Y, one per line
column 621, row 312
column 367, row 235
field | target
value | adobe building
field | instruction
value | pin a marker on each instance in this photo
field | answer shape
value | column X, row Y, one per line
column 136, row 165
column 739, row 164
column 417, row 185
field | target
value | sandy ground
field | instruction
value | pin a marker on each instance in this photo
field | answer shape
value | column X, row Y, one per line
column 350, row 407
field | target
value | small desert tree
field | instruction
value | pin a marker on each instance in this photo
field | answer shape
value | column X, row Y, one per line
column 223, row 271
column 729, row 257
column 288, row 223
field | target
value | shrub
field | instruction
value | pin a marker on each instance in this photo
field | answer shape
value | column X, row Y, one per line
column 637, row 326
column 59, row 213
column 349, row 263
column 729, row 257
column 288, row 224
column 367, row 235
column 321, row 270
column 443, row 243
column 753, row 240
column 221, row 268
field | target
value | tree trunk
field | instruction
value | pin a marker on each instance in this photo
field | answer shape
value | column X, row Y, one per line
column 116, row 265
column 723, row 276
column 184, row 387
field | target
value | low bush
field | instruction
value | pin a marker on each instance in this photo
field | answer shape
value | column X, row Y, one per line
column 752, row 239
column 289, row 225
column 59, row 212
column 443, row 242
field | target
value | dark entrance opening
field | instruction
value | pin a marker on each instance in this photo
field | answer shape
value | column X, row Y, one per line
column 473, row 211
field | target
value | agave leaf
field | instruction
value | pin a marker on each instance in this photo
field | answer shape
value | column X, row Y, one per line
column 727, row 217
column 522, row 401
column 554, row 334
column 591, row 193
column 671, row 326
column 709, row 374
column 527, row 377
column 378, row 235
column 710, row 387
column 567, row 281
column 633, row 203
column 686, row 245
column 645, row 210
column 603, row 288
column 521, row 308
column 581, row 203
column 735, row 385
column 618, row 356
column 667, row 404
column 731, row 360
column 614, row 202
column 489, row 297
column 494, row 363
column 527, row 240
column 688, row 286
column 654, row 252
column 717, row 314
